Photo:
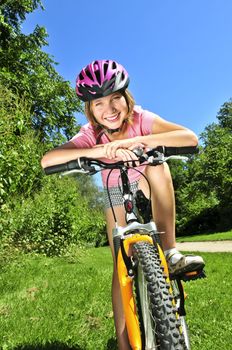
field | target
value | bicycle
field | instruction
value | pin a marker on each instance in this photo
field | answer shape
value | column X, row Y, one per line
column 153, row 300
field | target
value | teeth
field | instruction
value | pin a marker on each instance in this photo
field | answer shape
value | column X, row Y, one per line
column 112, row 118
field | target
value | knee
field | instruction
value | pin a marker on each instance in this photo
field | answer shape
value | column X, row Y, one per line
column 159, row 173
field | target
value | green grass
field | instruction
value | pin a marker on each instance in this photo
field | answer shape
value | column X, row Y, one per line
column 220, row 236
column 209, row 304
column 57, row 303
column 65, row 303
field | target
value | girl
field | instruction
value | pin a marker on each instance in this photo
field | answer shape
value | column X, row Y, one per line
column 116, row 126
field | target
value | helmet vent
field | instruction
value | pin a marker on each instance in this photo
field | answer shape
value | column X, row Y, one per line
column 114, row 66
column 98, row 76
column 105, row 68
column 88, row 74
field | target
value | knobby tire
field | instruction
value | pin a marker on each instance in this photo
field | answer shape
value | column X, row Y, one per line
column 159, row 320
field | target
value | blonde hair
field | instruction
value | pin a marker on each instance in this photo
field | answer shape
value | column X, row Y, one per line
column 130, row 103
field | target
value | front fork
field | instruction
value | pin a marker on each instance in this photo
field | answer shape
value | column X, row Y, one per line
column 125, row 276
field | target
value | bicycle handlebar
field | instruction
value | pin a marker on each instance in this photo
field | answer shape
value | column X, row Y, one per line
column 87, row 164
column 60, row 168
column 174, row 151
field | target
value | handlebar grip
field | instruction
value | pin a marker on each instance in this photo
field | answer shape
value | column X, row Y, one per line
column 60, row 168
column 174, row 151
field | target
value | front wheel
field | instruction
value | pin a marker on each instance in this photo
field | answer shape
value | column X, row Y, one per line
column 158, row 317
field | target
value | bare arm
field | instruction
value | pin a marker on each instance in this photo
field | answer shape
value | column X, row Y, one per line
column 68, row 151
column 164, row 133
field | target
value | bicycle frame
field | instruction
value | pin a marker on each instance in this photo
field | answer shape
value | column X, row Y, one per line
column 126, row 237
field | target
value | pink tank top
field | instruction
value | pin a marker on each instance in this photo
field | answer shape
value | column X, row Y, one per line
column 87, row 138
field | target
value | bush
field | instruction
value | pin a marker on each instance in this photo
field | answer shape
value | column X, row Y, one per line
column 39, row 213
column 57, row 217
column 20, row 152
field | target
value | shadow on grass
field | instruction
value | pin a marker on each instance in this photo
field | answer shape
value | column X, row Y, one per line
column 49, row 346
column 112, row 344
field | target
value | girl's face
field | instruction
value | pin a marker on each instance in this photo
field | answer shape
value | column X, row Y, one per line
column 111, row 110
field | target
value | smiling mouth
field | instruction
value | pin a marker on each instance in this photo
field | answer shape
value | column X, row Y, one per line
column 113, row 118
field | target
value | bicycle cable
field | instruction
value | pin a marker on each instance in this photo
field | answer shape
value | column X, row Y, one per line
column 108, row 192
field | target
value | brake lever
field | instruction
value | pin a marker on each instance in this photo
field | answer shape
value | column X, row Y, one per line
column 89, row 169
column 160, row 158
column 138, row 151
column 142, row 156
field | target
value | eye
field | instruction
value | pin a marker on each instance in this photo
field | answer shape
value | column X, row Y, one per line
column 116, row 97
column 96, row 104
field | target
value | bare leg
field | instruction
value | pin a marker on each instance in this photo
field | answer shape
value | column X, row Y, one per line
column 163, row 202
column 163, row 208
column 119, row 320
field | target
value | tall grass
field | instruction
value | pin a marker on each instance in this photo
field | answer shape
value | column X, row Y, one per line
column 65, row 303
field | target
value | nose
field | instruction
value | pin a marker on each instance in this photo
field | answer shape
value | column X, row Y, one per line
column 110, row 108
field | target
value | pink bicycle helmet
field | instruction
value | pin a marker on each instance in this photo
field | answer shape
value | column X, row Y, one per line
column 101, row 78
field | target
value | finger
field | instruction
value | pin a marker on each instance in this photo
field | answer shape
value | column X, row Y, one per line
column 105, row 151
column 136, row 145
column 111, row 149
column 134, row 157
column 130, row 156
column 127, row 156
column 108, row 151
column 124, row 155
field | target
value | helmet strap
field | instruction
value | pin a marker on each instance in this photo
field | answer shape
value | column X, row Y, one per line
column 112, row 131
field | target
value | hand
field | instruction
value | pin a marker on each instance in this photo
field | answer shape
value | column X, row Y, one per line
column 111, row 148
column 126, row 155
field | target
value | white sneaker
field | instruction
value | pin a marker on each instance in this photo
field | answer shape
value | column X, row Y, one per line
column 186, row 263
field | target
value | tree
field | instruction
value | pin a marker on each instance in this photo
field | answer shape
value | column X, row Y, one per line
column 30, row 72
column 13, row 12
column 225, row 115
column 37, row 111
column 204, row 198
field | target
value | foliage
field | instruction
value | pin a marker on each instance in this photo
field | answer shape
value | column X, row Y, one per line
column 27, row 70
column 89, row 190
column 204, row 185
column 54, row 219
column 36, row 113
column 20, row 152
column 225, row 115
column 13, row 12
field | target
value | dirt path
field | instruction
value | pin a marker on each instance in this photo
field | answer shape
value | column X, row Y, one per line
column 217, row 246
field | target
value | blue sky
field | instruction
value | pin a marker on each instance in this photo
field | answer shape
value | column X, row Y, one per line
column 178, row 53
